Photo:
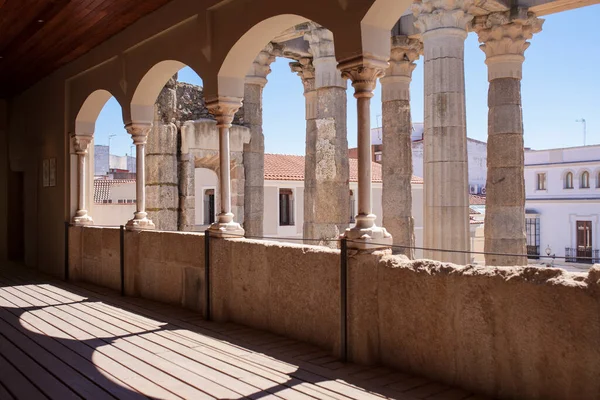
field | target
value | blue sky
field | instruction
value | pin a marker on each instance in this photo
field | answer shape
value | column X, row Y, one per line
column 560, row 85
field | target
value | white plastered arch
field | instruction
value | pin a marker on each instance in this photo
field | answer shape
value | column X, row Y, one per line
column 85, row 122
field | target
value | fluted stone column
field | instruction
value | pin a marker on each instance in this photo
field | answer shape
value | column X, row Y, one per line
column 327, row 146
column 306, row 71
column 139, row 134
column 365, row 235
column 504, row 41
column 80, row 146
column 397, row 145
column 224, row 108
column 443, row 24
column 254, row 152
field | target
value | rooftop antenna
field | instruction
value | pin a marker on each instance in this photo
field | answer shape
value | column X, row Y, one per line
column 378, row 117
column 582, row 120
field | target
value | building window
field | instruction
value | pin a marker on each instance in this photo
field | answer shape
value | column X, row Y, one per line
column 569, row 180
column 532, row 226
column 209, row 206
column 584, row 182
column 286, row 207
column 541, row 181
column 352, row 207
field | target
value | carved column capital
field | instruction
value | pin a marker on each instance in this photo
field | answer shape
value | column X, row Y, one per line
column 306, row 71
column 396, row 83
column 435, row 14
column 223, row 109
column 81, row 142
column 504, row 41
column 321, row 46
column 139, row 132
column 363, row 77
column 261, row 67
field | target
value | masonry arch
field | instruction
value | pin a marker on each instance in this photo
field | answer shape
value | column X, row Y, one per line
column 85, row 121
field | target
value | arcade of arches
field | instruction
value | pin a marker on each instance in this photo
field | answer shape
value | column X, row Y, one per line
column 230, row 44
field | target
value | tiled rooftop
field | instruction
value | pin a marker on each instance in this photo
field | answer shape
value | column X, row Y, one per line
column 291, row 168
column 102, row 188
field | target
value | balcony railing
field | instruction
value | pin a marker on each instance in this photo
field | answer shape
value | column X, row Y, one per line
column 533, row 252
column 583, row 255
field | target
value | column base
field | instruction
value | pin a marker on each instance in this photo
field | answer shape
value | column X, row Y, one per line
column 367, row 236
column 226, row 230
column 82, row 218
column 140, row 223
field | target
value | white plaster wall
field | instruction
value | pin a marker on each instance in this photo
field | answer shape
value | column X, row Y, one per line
column 204, row 178
column 271, row 205
column 122, row 191
column 477, row 157
column 558, row 222
column 112, row 214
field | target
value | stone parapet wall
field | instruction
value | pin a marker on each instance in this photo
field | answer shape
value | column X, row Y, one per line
column 506, row 332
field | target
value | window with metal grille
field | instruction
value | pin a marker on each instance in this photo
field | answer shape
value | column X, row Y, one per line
column 286, row 207
column 532, row 226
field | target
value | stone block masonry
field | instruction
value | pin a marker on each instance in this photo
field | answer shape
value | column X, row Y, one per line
column 505, row 332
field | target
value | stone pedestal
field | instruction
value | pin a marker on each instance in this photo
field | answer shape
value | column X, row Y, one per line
column 397, row 145
column 443, row 24
column 326, row 162
column 504, row 41
column 139, row 134
column 365, row 235
column 81, row 143
column 224, row 108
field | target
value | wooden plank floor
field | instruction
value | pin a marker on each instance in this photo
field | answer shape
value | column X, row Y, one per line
column 62, row 340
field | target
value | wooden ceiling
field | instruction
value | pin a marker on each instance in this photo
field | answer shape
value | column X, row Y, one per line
column 39, row 36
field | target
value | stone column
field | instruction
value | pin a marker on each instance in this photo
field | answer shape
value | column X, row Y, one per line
column 224, row 108
column 306, row 71
column 504, row 37
column 443, row 24
column 365, row 235
column 254, row 152
column 397, row 146
column 326, row 163
column 139, row 134
column 80, row 145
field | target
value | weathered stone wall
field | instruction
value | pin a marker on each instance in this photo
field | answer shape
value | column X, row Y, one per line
column 170, row 201
column 506, row 332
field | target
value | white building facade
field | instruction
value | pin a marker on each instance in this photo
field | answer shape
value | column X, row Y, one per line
column 563, row 204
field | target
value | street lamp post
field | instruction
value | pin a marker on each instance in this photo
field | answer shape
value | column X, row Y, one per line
column 582, row 120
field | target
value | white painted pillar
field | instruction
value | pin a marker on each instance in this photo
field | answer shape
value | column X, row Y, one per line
column 80, row 146
column 363, row 74
column 224, row 108
column 139, row 133
column 443, row 24
column 397, row 145
column 504, row 39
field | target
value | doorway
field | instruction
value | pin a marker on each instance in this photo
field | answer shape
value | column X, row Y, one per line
column 584, row 242
column 209, row 206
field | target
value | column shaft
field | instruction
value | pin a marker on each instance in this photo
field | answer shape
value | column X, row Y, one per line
column 139, row 133
column 225, row 173
column 365, row 206
column 80, row 145
column 397, row 146
column 504, row 36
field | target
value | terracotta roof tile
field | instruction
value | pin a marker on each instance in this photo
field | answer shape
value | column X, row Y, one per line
column 476, row 199
column 283, row 167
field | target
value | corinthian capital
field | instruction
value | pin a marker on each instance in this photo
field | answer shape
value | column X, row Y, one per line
column 504, row 41
column 224, row 108
column 306, row 71
column 139, row 132
column 363, row 77
column 436, row 14
column 404, row 53
column 81, row 142
column 261, row 67
column 502, row 35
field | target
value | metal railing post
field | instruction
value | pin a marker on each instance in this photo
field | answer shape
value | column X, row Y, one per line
column 344, row 300
column 67, row 224
column 122, row 257
column 207, row 274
